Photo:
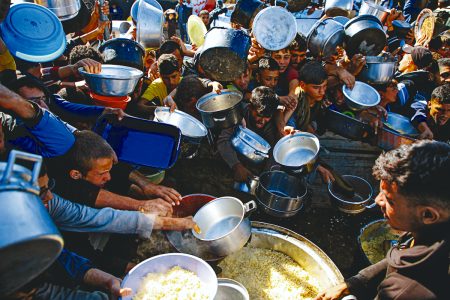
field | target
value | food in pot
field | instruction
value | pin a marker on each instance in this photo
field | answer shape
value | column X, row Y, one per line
column 377, row 239
column 176, row 283
column 269, row 274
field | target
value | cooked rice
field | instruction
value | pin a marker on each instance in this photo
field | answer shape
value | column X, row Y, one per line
column 175, row 284
column 269, row 275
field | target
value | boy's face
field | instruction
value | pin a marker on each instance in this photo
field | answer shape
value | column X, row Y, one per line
column 283, row 58
column 242, row 82
column 390, row 95
column 205, row 19
column 171, row 80
column 259, row 120
column 268, row 78
column 315, row 92
column 439, row 112
column 297, row 57
column 99, row 174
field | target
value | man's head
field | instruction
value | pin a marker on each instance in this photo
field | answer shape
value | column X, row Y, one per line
column 283, row 58
column 243, row 80
column 189, row 91
column 169, row 71
column 83, row 51
column 421, row 57
column 91, row 158
column 388, row 92
column 313, row 80
column 33, row 90
column 414, row 189
column 444, row 70
column 204, row 15
column 298, row 51
column 172, row 47
column 439, row 105
column 268, row 72
column 27, row 67
column 263, row 104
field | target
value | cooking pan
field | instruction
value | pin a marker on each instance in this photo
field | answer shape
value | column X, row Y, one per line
column 121, row 51
column 347, row 126
column 244, row 12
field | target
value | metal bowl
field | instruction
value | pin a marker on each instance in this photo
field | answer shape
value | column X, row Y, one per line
column 189, row 126
column 163, row 263
column 359, row 202
column 64, row 10
column 250, row 145
column 113, row 80
column 231, row 289
column 150, row 23
column 362, row 96
column 400, row 124
column 378, row 70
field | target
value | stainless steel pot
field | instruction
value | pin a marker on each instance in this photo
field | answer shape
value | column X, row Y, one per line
column 360, row 200
column 388, row 139
column 365, row 35
column 224, row 225
column 371, row 8
column 150, row 23
column 347, row 126
column 325, row 36
column 29, row 240
column 362, row 96
column 281, row 193
column 400, row 124
column 335, row 8
column 113, row 80
column 250, row 145
column 378, row 70
column 63, row 9
column 297, row 153
column 221, row 111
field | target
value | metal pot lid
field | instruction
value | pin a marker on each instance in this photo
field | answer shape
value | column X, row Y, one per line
column 213, row 102
column 274, row 28
column 362, row 94
column 400, row 124
column 189, row 126
column 43, row 31
column 230, row 289
column 252, row 139
column 114, row 72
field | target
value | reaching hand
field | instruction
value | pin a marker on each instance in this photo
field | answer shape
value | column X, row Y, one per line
column 167, row 194
column 89, row 65
column 241, row 173
column 157, row 206
column 335, row 292
column 174, row 223
column 115, row 111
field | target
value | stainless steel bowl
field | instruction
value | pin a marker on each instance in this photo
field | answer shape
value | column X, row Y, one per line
column 401, row 124
column 360, row 200
column 362, row 96
column 250, row 145
column 150, row 23
column 378, row 70
column 113, row 80
column 63, row 9
column 230, row 289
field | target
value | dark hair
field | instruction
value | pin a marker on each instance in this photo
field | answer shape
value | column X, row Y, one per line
column 168, row 47
column 267, row 63
column 167, row 64
column 188, row 88
column 88, row 147
column 383, row 86
column 299, row 43
column 264, row 101
column 444, row 62
column 420, row 170
column 23, row 65
column 441, row 94
column 312, row 73
column 83, row 51
column 29, row 82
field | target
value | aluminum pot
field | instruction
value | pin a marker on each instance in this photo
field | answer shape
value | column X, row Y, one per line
column 378, row 70
column 29, row 240
column 400, row 124
column 122, row 51
column 388, row 139
column 365, row 35
column 63, row 9
column 113, row 80
column 244, row 12
column 362, row 96
column 281, row 193
column 325, row 36
column 371, row 8
column 221, row 111
column 335, row 8
column 150, row 24
column 347, row 126
column 225, row 227
column 297, row 153
column 360, row 200
column 193, row 131
column 250, row 145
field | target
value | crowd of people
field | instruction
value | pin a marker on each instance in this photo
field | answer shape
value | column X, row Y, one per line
column 46, row 109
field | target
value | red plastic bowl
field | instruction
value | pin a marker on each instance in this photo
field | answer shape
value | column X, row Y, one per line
column 190, row 204
column 109, row 101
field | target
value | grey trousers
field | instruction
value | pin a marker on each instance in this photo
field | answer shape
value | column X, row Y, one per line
column 50, row 291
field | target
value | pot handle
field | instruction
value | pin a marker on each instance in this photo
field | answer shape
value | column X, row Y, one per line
column 249, row 207
column 37, row 159
column 257, row 152
column 371, row 205
column 219, row 119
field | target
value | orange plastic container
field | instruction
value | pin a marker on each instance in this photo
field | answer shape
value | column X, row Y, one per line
column 110, row 101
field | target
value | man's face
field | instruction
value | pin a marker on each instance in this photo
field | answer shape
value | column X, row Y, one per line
column 400, row 214
column 283, row 58
column 45, row 190
column 444, row 73
column 34, row 95
column 205, row 19
column 439, row 112
column 390, row 95
column 242, row 82
column 315, row 92
column 268, row 78
column 406, row 64
column 99, row 174
column 179, row 57
column 258, row 120
column 171, row 81
column 297, row 57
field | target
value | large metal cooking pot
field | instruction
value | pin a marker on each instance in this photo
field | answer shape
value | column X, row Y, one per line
column 224, row 225
column 325, row 36
column 150, row 24
column 362, row 96
column 250, row 145
column 400, row 124
column 365, row 35
column 113, row 80
column 274, row 28
column 63, row 9
column 378, row 70
column 347, row 126
column 244, row 12
column 359, row 201
column 281, row 193
column 388, row 139
column 335, row 8
column 371, row 8
column 297, row 153
column 221, row 111
column 224, row 53
column 122, row 51
column 29, row 240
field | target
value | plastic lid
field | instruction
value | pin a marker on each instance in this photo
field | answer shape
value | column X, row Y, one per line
column 196, row 30
column 33, row 33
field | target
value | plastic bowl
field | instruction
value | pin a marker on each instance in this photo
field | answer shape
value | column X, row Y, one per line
column 108, row 101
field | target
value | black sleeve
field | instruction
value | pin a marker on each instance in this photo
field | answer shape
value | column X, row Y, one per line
column 78, row 191
column 120, row 179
